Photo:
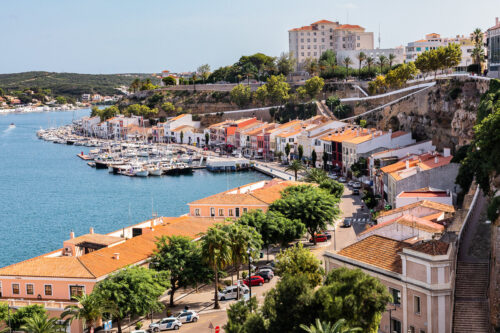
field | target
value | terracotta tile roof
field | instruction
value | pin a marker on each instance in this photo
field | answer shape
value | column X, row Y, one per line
column 409, row 221
column 349, row 27
column 95, row 238
column 183, row 127
column 307, row 27
column 324, row 22
column 342, row 135
column 431, row 163
column 377, row 251
column 431, row 247
column 69, row 267
column 423, row 194
column 432, row 217
column 178, row 117
column 363, row 137
column 398, row 134
column 424, row 203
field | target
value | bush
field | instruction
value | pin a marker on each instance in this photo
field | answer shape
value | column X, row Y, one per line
column 138, row 325
column 227, row 282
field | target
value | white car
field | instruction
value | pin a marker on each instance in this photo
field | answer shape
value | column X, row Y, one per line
column 356, row 185
column 342, row 180
column 188, row 317
column 170, row 323
column 231, row 292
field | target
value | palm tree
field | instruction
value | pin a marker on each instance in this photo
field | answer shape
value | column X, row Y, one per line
column 315, row 176
column 89, row 309
column 295, row 166
column 477, row 37
column 382, row 59
column 326, row 327
column 41, row 324
column 361, row 57
column 369, row 62
column 391, row 58
column 347, row 62
column 216, row 251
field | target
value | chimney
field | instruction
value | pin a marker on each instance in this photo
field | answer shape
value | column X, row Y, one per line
column 407, row 164
column 436, row 159
column 91, row 230
column 238, row 190
column 446, row 152
column 116, row 256
column 72, row 235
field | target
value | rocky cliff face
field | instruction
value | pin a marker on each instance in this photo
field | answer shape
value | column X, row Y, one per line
column 445, row 113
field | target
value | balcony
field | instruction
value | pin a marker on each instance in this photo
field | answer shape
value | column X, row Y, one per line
column 49, row 304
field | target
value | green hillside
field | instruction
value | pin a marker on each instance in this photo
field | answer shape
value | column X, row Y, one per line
column 70, row 84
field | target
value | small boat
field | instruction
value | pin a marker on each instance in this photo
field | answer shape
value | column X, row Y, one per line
column 12, row 125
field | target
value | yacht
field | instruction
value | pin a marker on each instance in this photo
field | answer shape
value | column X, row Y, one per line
column 12, row 125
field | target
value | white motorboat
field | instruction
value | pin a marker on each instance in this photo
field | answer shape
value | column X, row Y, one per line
column 154, row 171
column 12, row 125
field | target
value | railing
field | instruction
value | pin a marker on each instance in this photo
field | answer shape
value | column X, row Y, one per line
column 52, row 304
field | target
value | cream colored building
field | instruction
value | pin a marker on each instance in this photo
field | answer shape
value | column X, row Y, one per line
column 312, row 40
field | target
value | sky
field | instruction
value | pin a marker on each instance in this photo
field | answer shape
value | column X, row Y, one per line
column 148, row 36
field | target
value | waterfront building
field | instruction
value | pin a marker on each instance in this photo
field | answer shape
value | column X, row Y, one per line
column 417, row 171
column 433, row 41
column 427, row 193
column 259, row 141
column 242, row 139
column 224, row 132
column 185, row 119
column 312, row 40
column 493, row 42
column 190, row 135
column 237, row 201
column 52, row 279
column 332, row 145
column 419, row 276
column 309, row 139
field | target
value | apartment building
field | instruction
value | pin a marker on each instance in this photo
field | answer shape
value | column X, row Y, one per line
column 426, row 209
column 310, row 139
column 312, row 40
column 185, row 119
column 433, row 41
column 426, row 193
column 419, row 276
column 493, row 43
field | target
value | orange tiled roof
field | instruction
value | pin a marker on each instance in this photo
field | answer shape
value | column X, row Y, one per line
column 179, row 117
column 424, row 203
column 409, row 221
column 432, row 247
column 397, row 134
column 377, row 251
column 324, row 22
column 423, row 194
column 95, row 238
column 180, row 128
column 343, row 136
column 349, row 27
column 307, row 27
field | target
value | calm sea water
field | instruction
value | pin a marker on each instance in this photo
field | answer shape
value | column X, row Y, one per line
column 46, row 191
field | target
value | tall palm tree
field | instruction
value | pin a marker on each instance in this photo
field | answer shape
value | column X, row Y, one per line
column 347, row 62
column 315, row 176
column 477, row 37
column 41, row 324
column 326, row 327
column 391, row 58
column 90, row 309
column 216, row 251
column 361, row 57
column 295, row 166
column 382, row 60
column 369, row 62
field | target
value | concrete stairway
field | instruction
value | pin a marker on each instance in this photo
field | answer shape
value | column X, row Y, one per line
column 471, row 306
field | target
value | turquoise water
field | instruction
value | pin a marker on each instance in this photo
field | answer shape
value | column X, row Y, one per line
column 46, row 191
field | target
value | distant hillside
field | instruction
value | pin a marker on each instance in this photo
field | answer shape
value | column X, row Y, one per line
column 70, row 84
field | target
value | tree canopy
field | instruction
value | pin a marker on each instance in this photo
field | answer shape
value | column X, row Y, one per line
column 19, row 317
column 241, row 95
column 296, row 261
column 313, row 86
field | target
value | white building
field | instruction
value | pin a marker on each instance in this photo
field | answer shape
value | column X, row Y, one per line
column 427, row 193
column 185, row 119
column 493, row 42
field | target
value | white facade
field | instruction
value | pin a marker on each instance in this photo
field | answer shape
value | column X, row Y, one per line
column 493, row 41
column 409, row 197
column 176, row 122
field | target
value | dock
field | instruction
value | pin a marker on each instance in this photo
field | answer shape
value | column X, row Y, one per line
column 84, row 157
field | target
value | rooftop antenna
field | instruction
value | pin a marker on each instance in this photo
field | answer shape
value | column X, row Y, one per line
column 379, row 35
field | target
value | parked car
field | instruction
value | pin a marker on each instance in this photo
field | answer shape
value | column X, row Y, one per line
column 342, row 179
column 319, row 238
column 356, row 185
column 256, row 280
column 188, row 316
column 231, row 292
column 350, row 183
column 347, row 222
column 170, row 323
column 355, row 191
column 267, row 275
column 260, row 268
column 327, row 233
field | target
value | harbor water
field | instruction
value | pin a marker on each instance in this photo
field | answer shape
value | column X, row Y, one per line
column 46, row 191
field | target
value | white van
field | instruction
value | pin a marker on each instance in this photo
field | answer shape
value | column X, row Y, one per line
column 231, row 292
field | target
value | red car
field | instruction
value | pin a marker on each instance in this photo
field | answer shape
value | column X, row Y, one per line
column 256, row 280
column 319, row 238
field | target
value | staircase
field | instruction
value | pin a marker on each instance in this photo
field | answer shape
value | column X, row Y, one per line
column 471, row 305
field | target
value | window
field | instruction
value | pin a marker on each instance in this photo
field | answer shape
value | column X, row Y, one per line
column 212, row 211
column 322, row 40
column 230, row 212
column 416, row 304
column 197, row 212
column 29, row 289
column 422, row 331
column 411, row 329
column 315, row 40
column 244, row 210
column 15, row 288
column 237, row 212
column 395, row 326
column 358, row 44
column 76, row 291
column 396, row 296
column 221, row 212
column 48, row 290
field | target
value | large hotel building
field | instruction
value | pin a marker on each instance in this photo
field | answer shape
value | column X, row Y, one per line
column 312, row 40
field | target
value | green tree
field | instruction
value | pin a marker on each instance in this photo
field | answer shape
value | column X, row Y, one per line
column 382, row 60
column 449, row 56
column 238, row 313
column 169, row 81
column 361, row 57
column 61, row 100
column 353, row 295
column 277, row 89
column 314, row 86
column 327, row 327
column 261, row 94
column 301, row 152
column 314, row 158
column 181, row 256
column 4, row 312
column 89, row 310
column 216, row 251
column 41, row 323
column 295, row 167
column 204, row 71
column 370, row 61
column 241, row 95
column 169, row 108
column 314, row 207
column 133, row 291
column 135, row 85
column 182, row 137
column 325, row 160
column 286, row 63
column 391, row 59
column 477, row 38
column 362, row 123
column 207, row 139
column 296, row 261
column 347, row 62
column 301, row 93
column 287, row 150
column 242, row 237
column 315, row 176
column 19, row 317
